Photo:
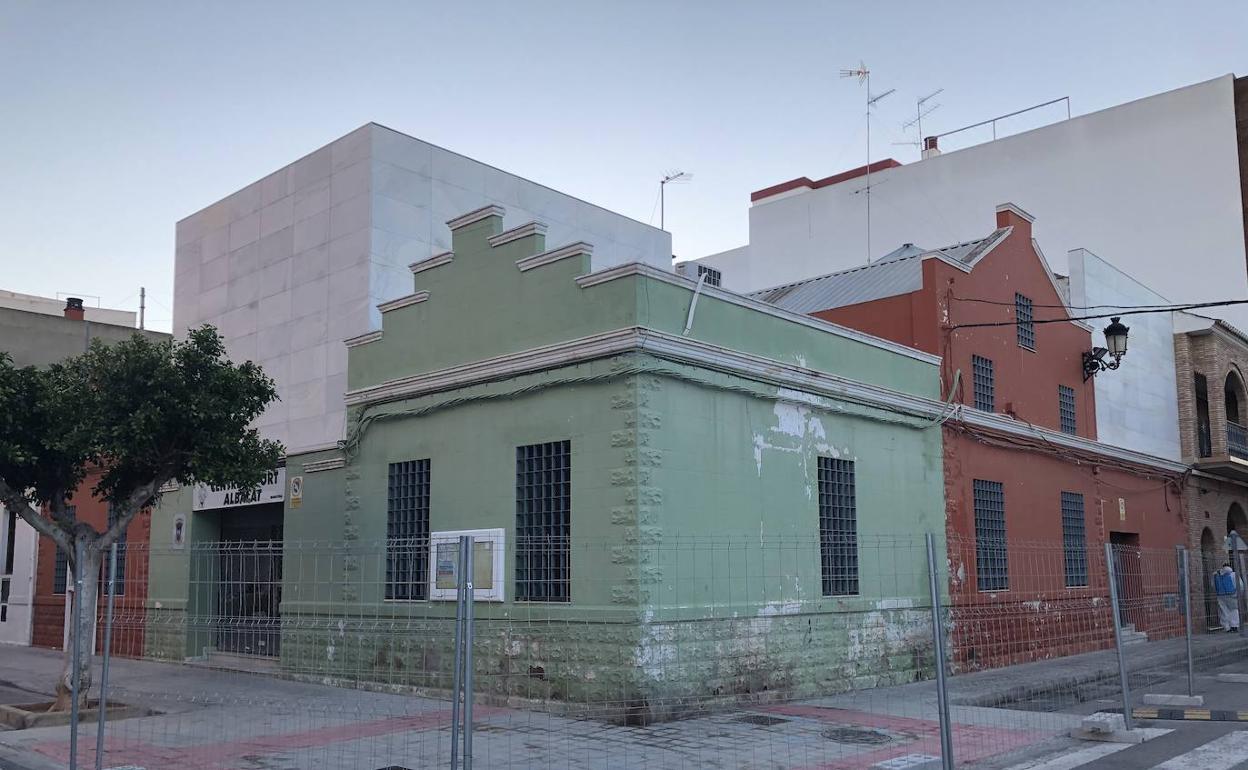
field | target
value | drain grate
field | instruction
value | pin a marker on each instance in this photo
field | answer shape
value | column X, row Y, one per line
column 856, row 736
column 761, row 719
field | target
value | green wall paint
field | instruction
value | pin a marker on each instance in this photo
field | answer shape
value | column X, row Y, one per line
column 695, row 556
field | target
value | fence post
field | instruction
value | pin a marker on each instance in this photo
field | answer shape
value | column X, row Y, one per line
column 1239, row 580
column 75, row 617
column 938, row 637
column 108, row 643
column 459, row 651
column 1122, row 660
column 1185, row 591
column 469, row 601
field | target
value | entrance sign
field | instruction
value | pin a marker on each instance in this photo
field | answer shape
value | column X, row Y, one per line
column 272, row 489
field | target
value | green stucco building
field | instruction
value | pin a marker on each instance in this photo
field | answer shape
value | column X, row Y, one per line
column 682, row 495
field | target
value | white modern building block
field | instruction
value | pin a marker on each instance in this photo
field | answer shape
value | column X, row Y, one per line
column 291, row 265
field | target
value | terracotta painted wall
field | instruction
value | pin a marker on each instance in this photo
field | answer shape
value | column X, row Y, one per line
column 49, row 607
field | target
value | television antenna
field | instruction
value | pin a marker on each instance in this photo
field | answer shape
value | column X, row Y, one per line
column 671, row 177
column 921, row 110
column 864, row 78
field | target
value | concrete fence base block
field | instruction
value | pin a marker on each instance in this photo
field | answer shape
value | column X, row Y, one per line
column 1233, row 678
column 1111, row 728
column 1161, row 699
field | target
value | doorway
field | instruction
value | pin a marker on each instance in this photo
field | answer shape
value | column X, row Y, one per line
column 249, row 591
column 1127, row 577
column 1209, row 560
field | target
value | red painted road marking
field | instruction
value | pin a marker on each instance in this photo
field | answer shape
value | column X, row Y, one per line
column 213, row 754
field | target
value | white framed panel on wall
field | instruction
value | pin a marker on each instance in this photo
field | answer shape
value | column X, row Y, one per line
column 488, row 580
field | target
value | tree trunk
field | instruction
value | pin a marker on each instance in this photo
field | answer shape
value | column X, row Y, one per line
column 86, row 600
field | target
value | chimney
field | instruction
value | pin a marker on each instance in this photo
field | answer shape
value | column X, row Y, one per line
column 73, row 309
column 1009, row 215
column 930, row 147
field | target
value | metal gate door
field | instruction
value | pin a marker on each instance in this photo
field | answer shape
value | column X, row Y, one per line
column 249, row 596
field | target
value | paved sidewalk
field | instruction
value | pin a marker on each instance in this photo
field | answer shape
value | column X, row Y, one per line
column 226, row 720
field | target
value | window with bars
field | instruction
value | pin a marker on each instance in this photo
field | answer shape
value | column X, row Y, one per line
column 992, row 564
column 407, row 530
column 1074, row 540
column 544, row 522
column 60, row 575
column 983, row 383
column 1066, row 409
column 838, row 527
column 713, row 276
column 1024, row 322
column 119, row 587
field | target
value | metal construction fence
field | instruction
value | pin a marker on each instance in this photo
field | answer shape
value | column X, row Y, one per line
column 665, row 651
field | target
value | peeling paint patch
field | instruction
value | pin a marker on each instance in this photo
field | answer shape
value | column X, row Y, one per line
column 897, row 603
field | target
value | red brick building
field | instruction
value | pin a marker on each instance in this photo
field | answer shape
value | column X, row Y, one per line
column 53, row 582
column 1031, row 496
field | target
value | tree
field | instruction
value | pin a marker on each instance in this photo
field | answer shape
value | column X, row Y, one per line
column 142, row 413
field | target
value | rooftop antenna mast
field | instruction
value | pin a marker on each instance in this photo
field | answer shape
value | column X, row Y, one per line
column 921, row 111
column 864, row 77
column 671, row 177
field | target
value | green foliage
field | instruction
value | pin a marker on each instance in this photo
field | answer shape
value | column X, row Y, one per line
column 145, row 412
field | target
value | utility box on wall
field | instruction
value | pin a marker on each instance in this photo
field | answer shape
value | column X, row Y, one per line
column 488, row 583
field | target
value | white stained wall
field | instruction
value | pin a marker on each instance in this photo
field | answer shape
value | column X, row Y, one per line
column 290, row 266
column 19, row 613
column 1154, row 182
column 1137, row 405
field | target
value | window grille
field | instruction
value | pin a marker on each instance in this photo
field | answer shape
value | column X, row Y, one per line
column 544, row 522
column 1066, row 409
column 1074, row 539
column 1024, row 321
column 60, row 575
column 407, row 530
column 713, row 276
column 838, row 527
column 992, row 565
column 984, row 383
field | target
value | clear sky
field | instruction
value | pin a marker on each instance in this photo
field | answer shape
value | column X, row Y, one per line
column 119, row 118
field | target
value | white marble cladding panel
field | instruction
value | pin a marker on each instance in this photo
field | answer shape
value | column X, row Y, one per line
column 291, row 265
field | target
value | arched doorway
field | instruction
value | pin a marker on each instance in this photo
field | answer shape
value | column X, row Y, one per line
column 1237, row 520
column 1210, row 559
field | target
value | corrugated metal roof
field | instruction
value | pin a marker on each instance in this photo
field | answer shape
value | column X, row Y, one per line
column 898, row 272
column 862, row 284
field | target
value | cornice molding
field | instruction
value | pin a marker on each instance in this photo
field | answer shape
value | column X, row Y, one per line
column 428, row 263
column 554, row 255
column 516, row 233
column 411, row 299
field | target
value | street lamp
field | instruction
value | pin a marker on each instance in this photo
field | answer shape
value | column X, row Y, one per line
column 1116, row 347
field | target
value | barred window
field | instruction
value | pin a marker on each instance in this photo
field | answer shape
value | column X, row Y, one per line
column 713, row 276
column 983, row 383
column 992, row 565
column 838, row 527
column 60, row 575
column 119, row 588
column 1024, row 321
column 1066, row 409
column 544, row 522
column 1074, row 540
column 407, row 530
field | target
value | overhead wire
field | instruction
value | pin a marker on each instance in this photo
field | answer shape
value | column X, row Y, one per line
column 1115, row 314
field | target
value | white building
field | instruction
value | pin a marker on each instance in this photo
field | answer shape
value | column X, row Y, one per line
column 293, row 264
column 50, row 306
column 19, row 546
column 1154, row 184
column 1137, row 405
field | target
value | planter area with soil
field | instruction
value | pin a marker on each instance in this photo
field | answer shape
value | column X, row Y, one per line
column 26, row 716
